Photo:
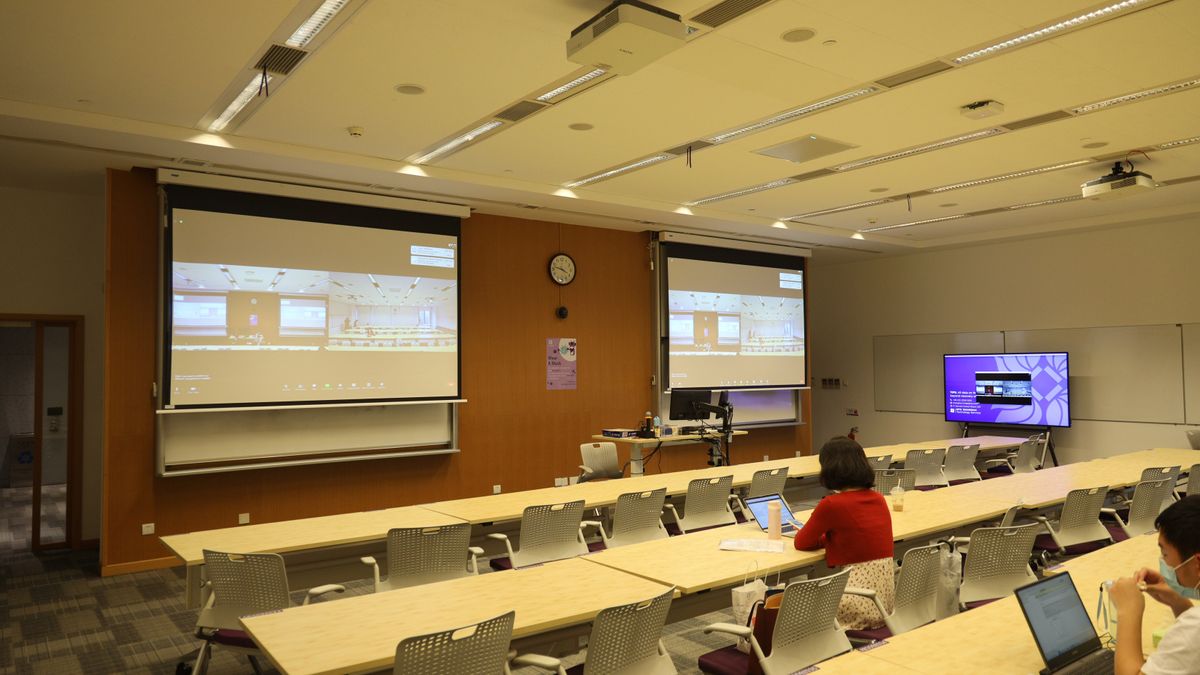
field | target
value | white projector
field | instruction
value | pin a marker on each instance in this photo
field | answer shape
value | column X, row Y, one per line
column 1119, row 183
column 626, row 36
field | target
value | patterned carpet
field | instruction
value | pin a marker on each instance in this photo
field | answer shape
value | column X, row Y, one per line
column 57, row 615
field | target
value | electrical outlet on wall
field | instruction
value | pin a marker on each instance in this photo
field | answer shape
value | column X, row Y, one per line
column 147, row 528
column 560, row 481
column 852, row 412
column 243, row 519
column 766, row 458
column 495, row 489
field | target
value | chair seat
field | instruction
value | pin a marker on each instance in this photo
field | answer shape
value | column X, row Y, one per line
column 725, row 661
column 233, row 638
column 927, row 488
column 501, row 564
column 979, row 603
column 871, row 635
column 1045, row 542
column 1117, row 532
column 576, row 669
column 960, row 481
column 596, row 546
column 739, row 516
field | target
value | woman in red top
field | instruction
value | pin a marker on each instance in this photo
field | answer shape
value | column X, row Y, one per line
column 854, row 527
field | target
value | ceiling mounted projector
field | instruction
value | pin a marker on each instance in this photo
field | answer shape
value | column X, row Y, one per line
column 1119, row 183
column 626, row 36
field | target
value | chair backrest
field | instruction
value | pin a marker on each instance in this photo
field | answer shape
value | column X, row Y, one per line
column 422, row 555
column 1148, row 498
column 477, row 648
column 960, row 462
column 550, row 532
column 768, row 482
column 1194, row 438
column 1028, row 456
column 625, row 639
column 806, row 629
column 880, row 462
column 928, row 464
column 638, row 518
column 1079, row 521
column 602, row 459
column 998, row 561
column 707, row 503
column 1168, row 473
column 251, row 582
column 886, row 479
column 917, row 588
column 1194, row 480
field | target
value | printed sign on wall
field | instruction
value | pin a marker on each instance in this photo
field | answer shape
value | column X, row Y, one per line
column 560, row 363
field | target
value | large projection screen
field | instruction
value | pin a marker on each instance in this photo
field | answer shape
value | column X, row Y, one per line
column 735, row 319
column 281, row 301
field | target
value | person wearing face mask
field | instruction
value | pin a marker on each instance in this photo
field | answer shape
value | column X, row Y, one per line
column 1176, row 583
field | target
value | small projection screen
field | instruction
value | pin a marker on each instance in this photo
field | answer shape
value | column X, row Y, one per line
column 280, row 301
column 735, row 319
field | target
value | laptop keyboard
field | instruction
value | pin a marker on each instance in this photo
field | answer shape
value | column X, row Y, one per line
column 1096, row 663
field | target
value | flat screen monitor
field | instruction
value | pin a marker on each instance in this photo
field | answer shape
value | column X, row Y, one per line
column 1028, row 389
column 683, row 404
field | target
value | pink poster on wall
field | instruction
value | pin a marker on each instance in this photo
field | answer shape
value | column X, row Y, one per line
column 560, row 363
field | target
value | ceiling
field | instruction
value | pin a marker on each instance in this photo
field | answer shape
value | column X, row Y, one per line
column 139, row 76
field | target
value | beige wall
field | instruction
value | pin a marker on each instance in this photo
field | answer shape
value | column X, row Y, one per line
column 52, row 256
column 1139, row 274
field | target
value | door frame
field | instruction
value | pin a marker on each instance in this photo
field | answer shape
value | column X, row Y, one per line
column 75, row 325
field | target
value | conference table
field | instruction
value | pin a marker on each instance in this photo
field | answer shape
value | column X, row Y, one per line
column 995, row 639
column 555, row 603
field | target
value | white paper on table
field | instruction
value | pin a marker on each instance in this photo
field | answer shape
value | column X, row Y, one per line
column 753, row 545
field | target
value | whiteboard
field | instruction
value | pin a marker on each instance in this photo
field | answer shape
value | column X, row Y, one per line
column 297, row 434
column 1191, row 371
column 1118, row 374
column 908, row 368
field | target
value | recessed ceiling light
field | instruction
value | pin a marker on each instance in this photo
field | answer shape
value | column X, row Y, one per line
column 1095, row 144
column 1008, row 176
column 880, row 189
column 744, row 191
column 581, row 126
column 790, row 115
column 829, row 43
column 915, row 222
column 916, row 150
column 653, row 159
column 410, row 89
column 568, row 86
column 314, row 23
column 1136, row 96
column 1049, row 30
column 798, row 35
column 458, row 141
column 838, row 209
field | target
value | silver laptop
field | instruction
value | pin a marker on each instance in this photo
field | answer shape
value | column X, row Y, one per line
column 758, row 510
column 1061, row 627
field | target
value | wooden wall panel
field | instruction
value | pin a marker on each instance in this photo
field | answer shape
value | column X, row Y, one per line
column 513, row 432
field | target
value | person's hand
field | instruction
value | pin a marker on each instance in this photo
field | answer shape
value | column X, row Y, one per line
column 1156, row 587
column 1127, row 596
column 1148, row 576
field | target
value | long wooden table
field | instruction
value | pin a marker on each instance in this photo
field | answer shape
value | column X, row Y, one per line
column 361, row 633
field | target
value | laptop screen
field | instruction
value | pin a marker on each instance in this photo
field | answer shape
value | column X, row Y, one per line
column 758, row 509
column 1058, row 620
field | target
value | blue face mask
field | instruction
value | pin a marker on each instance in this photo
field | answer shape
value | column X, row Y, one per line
column 1168, row 575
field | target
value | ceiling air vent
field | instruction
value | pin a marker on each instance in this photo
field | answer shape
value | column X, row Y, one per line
column 1039, row 119
column 607, row 21
column 914, row 74
column 724, row 12
column 519, row 110
column 281, row 60
column 682, row 149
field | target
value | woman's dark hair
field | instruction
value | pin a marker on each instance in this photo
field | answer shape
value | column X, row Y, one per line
column 844, row 465
column 1180, row 525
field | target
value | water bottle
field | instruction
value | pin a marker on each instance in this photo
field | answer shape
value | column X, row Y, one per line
column 774, row 520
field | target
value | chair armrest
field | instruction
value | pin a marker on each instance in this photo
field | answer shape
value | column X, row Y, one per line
column 318, row 591
column 730, row 628
column 368, row 560
column 673, row 510
column 585, row 469
column 864, row 592
column 1111, row 512
column 475, row 552
column 538, row 661
column 994, row 462
column 960, row 540
column 498, row 535
column 589, row 523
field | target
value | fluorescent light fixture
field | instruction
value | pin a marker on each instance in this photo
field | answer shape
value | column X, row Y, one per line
column 1136, row 96
column 1046, row 202
column 779, row 224
column 313, row 24
column 564, row 88
column 1009, row 176
column 915, row 222
column 238, row 103
column 838, row 209
column 1050, row 30
column 1175, row 144
column 937, row 145
column 458, row 141
column 653, row 159
column 790, row 115
column 857, row 235
column 744, row 191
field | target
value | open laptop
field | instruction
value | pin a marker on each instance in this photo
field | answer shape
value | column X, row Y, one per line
column 758, row 509
column 1061, row 627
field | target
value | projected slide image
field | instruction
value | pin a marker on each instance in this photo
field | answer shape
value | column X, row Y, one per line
column 392, row 313
column 1006, row 388
column 717, row 324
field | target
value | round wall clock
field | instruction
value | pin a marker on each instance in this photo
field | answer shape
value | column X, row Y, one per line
column 562, row 269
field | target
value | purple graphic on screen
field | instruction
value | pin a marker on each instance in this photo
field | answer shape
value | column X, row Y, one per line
column 1029, row 389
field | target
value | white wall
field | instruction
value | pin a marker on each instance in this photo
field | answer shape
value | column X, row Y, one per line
column 52, row 253
column 1140, row 274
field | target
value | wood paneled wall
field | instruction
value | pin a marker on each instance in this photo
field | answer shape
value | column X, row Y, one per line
column 512, row 431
